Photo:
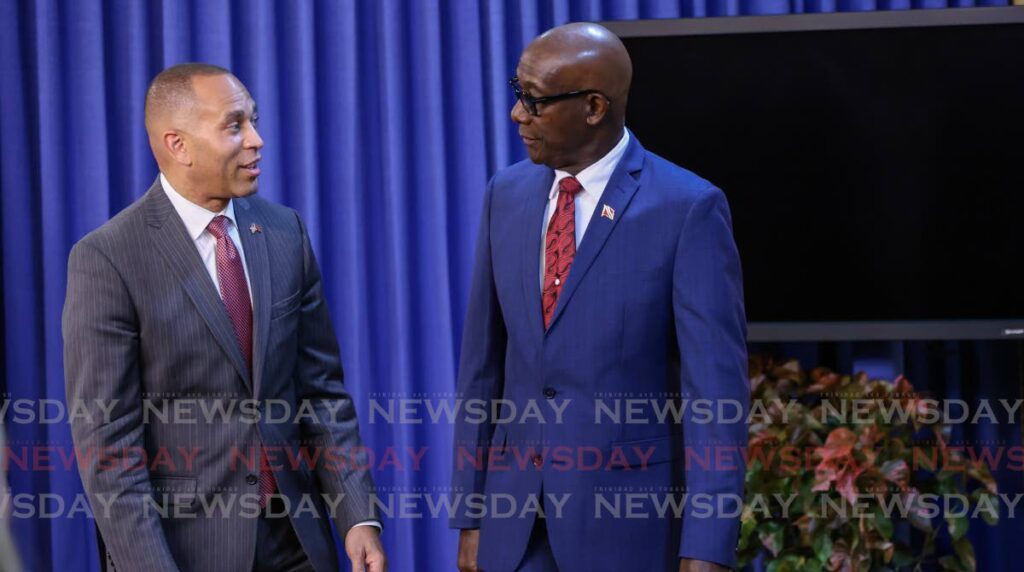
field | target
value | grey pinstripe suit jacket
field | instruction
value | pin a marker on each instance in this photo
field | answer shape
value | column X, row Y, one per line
column 144, row 323
column 8, row 555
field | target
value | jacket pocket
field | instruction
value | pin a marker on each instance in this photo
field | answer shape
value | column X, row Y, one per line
column 641, row 453
column 286, row 306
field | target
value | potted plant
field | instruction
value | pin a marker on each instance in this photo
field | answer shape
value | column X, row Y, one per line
column 837, row 464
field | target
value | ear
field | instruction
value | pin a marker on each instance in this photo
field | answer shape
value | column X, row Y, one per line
column 175, row 145
column 597, row 108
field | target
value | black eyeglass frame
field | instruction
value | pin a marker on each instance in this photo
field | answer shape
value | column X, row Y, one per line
column 530, row 103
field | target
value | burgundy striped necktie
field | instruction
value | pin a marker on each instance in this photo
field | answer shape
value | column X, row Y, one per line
column 560, row 246
column 235, row 292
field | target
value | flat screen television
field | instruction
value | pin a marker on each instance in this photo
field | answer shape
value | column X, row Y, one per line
column 873, row 162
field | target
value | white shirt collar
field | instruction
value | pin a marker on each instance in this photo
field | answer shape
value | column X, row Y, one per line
column 195, row 217
column 595, row 177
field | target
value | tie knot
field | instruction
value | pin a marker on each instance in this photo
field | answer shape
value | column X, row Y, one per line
column 218, row 227
column 570, row 185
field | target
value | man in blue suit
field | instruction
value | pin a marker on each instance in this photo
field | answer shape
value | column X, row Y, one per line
column 606, row 305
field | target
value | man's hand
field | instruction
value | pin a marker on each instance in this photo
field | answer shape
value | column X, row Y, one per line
column 362, row 544
column 469, row 544
column 688, row 565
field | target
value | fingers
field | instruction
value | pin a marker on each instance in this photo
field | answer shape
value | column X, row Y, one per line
column 376, row 560
column 379, row 564
column 371, row 560
column 467, row 563
column 358, row 562
column 469, row 544
column 367, row 555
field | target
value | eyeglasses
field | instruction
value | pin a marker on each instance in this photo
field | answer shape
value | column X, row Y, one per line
column 530, row 103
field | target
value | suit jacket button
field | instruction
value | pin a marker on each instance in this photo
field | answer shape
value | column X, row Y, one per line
column 549, row 393
column 538, row 461
column 251, row 479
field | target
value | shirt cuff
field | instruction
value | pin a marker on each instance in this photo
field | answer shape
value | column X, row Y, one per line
column 372, row 523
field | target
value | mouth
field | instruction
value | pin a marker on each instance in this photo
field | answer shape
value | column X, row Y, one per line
column 528, row 140
column 252, row 168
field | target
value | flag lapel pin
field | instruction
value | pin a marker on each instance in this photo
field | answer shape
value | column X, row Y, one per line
column 608, row 212
column 255, row 228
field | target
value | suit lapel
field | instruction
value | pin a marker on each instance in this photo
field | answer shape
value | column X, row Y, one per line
column 620, row 190
column 255, row 246
column 172, row 241
column 533, row 230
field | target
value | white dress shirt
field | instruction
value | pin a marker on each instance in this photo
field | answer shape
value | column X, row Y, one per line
column 196, row 219
column 594, row 180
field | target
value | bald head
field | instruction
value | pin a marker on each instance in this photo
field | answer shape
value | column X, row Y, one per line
column 571, row 85
column 587, row 55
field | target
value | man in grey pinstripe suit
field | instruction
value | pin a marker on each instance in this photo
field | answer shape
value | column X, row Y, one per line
column 160, row 330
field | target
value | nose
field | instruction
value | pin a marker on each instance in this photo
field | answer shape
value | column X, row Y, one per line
column 519, row 113
column 253, row 139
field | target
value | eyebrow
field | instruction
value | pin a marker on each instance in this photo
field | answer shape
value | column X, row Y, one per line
column 528, row 85
column 236, row 114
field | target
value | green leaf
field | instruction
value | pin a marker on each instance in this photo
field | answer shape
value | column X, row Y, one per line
column 902, row 558
column 883, row 525
column 990, row 517
column 895, row 471
column 790, row 563
column 951, row 563
column 771, row 537
column 746, row 528
column 823, row 546
column 965, row 552
column 986, row 505
column 957, row 526
column 917, row 517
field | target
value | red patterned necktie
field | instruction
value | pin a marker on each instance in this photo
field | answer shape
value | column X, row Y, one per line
column 235, row 292
column 560, row 246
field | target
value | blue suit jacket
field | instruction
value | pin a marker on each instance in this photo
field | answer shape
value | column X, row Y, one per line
column 652, row 308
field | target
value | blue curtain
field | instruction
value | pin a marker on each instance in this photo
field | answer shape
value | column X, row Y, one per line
column 383, row 121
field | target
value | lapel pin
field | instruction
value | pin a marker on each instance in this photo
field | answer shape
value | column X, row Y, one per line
column 255, row 228
column 608, row 212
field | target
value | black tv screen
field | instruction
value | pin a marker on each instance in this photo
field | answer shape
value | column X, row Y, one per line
column 875, row 171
